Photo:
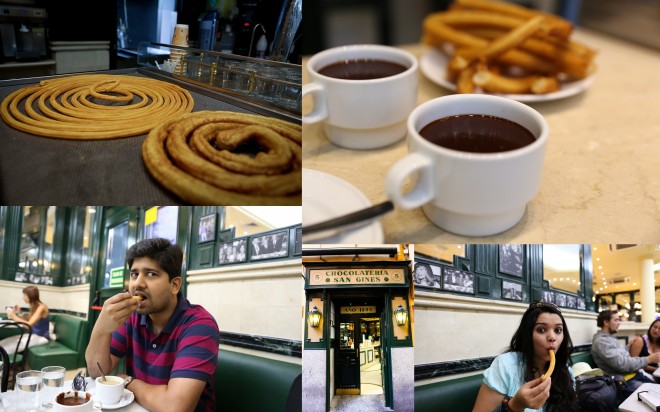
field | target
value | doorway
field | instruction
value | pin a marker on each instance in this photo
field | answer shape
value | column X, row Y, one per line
column 358, row 351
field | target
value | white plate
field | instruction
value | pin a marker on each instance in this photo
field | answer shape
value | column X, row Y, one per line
column 434, row 66
column 326, row 196
column 126, row 399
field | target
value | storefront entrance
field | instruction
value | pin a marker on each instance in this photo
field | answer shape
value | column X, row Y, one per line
column 358, row 357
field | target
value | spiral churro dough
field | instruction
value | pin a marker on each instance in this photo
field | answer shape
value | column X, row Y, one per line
column 226, row 158
column 94, row 107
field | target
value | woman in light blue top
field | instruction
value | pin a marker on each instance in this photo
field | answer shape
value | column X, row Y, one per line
column 513, row 381
column 38, row 318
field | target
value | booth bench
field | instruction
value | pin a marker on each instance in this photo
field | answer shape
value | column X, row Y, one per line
column 67, row 350
column 461, row 393
column 251, row 383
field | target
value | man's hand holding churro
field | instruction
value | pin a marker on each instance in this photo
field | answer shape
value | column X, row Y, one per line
column 115, row 311
column 500, row 47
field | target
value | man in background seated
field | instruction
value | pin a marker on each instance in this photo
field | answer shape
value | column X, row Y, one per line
column 613, row 358
column 171, row 346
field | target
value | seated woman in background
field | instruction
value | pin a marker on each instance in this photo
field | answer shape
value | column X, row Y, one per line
column 647, row 344
column 38, row 318
column 513, row 381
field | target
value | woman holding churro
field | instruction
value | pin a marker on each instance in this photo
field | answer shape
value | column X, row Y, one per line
column 534, row 373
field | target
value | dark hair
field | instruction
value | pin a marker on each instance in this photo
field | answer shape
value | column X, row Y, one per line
column 648, row 333
column 562, row 393
column 169, row 256
column 603, row 316
column 32, row 293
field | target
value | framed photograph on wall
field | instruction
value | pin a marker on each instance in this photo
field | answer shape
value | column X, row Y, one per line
column 548, row 296
column 234, row 251
column 458, row 281
column 426, row 275
column 511, row 260
column 270, row 245
column 512, row 290
column 206, row 229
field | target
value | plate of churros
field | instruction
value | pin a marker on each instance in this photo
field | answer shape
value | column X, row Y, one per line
column 433, row 64
column 496, row 47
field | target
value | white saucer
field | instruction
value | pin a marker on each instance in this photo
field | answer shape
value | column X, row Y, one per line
column 326, row 196
column 126, row 399
column 433, row 64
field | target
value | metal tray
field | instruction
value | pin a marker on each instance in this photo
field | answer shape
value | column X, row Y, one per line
column 44, row 171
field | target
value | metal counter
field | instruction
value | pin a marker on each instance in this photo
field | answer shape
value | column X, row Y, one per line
column 38, row 170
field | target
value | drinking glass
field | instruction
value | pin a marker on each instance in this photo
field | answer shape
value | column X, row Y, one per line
column 28, row 388
column 53, row 379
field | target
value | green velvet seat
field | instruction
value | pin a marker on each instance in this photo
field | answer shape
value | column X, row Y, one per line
column 67, row 350
column 250, row 383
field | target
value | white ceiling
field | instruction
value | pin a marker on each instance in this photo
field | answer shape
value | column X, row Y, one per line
column 610, row 264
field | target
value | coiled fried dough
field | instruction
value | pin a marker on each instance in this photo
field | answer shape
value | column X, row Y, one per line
column 94, row 107
column 226, row 158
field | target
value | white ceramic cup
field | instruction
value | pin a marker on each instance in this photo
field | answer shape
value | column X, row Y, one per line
column 110, row 390
column 91, row 403
column 362, row 114
column 470, row 194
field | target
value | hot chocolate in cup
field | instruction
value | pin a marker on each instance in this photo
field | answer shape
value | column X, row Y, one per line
column 468, row 188
column 109, row 390
column 76, row 401
column 362, row 94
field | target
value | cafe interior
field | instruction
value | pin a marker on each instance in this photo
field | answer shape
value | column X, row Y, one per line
column 76, row 258
column 469, row 308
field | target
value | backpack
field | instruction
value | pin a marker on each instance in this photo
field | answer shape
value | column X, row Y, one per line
column 597, row 393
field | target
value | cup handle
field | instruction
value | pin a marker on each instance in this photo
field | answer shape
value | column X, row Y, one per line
column 320, row 110
column 424, row 190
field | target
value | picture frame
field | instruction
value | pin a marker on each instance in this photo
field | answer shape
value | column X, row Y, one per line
column 511, row 259
column 512, row 290
column 270, row 245
column 234, row 251
column 206, row 229
column 458, row 281
column 548, row 296
column 426, row 275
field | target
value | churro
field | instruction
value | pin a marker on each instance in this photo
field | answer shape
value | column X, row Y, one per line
column 551, row 368
column 94, row 107
column 139, row 298
column 226, row 158
column 535, row 45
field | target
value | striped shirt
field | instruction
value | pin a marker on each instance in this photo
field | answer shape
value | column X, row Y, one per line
column 186, row 348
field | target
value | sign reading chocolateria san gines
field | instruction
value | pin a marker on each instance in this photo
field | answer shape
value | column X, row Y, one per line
column 356, row 276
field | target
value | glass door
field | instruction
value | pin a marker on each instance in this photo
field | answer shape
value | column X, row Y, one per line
column 348, row 366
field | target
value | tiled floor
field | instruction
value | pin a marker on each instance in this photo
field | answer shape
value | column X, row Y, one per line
column 371, row 382
column 359, row 403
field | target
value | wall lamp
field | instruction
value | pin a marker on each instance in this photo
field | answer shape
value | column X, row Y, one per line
column 401, row 315
column 314, row 317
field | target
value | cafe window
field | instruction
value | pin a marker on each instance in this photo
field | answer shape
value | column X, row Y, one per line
column 347, row 335
column 444, row 252
column 561, row 267
column 161, row 222
column 79, row 254
column 116, row 255
column 37, row 236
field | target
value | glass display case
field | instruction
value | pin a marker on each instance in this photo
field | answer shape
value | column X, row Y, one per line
column 260, row 81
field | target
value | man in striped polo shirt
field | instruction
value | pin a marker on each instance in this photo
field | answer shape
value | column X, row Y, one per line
column 171, row 346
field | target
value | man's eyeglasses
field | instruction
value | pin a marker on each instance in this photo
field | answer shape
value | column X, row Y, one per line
column 541, row 304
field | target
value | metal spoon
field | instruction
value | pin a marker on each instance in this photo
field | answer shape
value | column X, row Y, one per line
column 101, row 370
column 342, row 223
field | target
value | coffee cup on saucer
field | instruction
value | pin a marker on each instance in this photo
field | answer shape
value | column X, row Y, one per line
column 478, row 161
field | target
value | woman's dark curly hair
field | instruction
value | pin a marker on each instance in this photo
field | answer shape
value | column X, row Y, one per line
column 563, row 397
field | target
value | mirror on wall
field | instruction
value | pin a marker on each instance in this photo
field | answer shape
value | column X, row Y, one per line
column 561, row 267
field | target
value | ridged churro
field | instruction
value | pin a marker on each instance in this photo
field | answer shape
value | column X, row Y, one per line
column 551, row 368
